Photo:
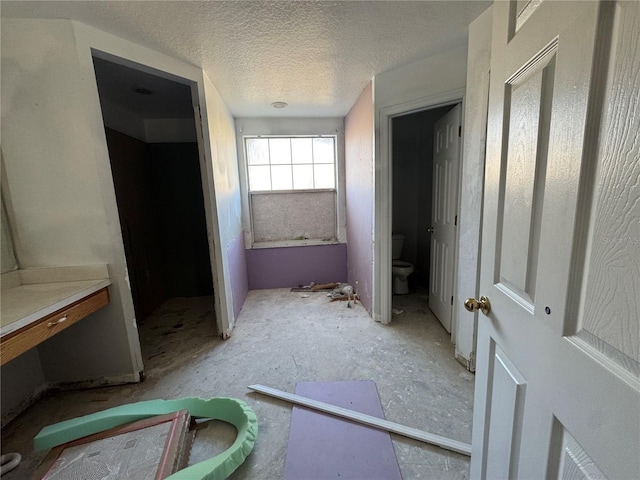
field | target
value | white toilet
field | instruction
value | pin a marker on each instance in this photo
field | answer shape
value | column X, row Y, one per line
column 400, row 269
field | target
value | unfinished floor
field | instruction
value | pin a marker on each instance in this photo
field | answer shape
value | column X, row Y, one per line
column 281, row 338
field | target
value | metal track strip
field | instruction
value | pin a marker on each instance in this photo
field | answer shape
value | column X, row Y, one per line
column 442, row 442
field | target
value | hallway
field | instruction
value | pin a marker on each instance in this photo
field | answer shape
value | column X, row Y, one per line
column 282, row 338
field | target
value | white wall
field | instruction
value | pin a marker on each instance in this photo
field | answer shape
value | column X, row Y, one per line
column 58, row 170
column 359, row 140
column 22, row 382
column 49, row 147
column 424, row 78
column 434, row 81
column 50, row 138
column 220, row 139
column 472, row 178
column 56, row 196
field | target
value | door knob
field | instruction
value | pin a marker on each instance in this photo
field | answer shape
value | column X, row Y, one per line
column 473, row 305
column 430, row 230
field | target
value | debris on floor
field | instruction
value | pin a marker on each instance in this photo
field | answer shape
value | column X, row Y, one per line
column 315, row 287
column 154, row 447
column 397, row 311
column 157, row 443
column 344, row 291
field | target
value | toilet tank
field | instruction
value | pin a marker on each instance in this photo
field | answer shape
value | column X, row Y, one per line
column 397, row 239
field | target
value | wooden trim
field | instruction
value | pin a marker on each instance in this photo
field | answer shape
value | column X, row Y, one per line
column 442, row 442
column 27, row 337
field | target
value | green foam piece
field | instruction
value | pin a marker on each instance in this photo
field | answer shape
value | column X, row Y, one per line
column 230, row 410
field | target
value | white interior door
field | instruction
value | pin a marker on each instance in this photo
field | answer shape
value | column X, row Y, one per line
column 558, row 372
column 446, row 156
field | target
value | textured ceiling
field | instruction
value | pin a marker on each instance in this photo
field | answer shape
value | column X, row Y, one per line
column 316, row 56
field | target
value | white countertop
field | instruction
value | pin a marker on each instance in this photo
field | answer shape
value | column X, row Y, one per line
column 23, row 304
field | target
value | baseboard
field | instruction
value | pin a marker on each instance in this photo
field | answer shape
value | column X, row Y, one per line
column 465, row 362
column 8, row 417
column 96, row 383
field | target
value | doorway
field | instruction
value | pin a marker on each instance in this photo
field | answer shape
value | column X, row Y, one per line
column 152, row 140
column 413, row 173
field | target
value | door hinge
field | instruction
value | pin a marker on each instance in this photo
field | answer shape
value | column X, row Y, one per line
column 459, row 130
column 451, row 299
column 455, row 220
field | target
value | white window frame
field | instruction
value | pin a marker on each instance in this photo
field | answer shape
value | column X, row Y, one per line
column 291, row 128
column 313, row 163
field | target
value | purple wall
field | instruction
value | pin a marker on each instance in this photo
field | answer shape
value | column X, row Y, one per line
column 238, row 273
column 359, row 164
column 293, row 266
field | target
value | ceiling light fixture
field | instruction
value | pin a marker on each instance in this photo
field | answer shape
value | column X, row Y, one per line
column 140, row 90
column 279, row 104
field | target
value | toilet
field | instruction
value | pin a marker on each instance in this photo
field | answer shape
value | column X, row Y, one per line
column 399, row 268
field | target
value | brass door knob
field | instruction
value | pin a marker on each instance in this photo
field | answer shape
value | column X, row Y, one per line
column 473, row 305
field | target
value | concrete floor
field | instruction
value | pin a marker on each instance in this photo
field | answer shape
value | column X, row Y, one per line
column 282, row 338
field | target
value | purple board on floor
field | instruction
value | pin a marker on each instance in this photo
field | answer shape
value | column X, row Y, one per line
column 322, row 446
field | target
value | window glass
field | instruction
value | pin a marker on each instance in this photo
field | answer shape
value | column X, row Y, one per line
column 301, row 150
column 259, row 178
column 291, row 163
column 323, row 150
column 280, row 151
column 258, row 151
column 281, row 177
column 324, row 176
column 303, row 176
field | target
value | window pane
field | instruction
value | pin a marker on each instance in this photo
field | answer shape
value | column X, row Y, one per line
column 324, row 176
column 323, row 150
column 281, row 177
column 257, row 151
column 301, row 150
column 259, row 178
column 303, row 176
column 280, row 150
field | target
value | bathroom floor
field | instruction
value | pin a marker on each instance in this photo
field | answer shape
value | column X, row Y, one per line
column 282, row 338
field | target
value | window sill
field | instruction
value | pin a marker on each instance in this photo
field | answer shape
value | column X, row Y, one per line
column 293, row 243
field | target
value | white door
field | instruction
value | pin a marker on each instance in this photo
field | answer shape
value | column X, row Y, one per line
column 446, row 151
column 558, row 372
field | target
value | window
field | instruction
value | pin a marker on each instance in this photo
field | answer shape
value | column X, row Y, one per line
column 291, row 180
column 291, row 163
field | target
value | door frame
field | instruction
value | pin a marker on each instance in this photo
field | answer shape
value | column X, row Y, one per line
column 207, row 189
column 91, row 42
column 383, row 205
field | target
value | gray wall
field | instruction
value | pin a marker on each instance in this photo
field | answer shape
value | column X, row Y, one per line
column 412, row 143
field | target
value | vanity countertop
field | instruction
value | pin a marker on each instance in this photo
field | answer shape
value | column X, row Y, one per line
column 24, row 303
